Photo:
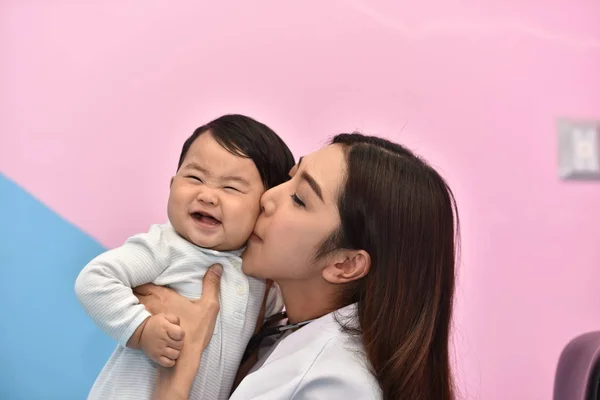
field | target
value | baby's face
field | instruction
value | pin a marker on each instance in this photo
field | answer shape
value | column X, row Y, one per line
column 215, row 196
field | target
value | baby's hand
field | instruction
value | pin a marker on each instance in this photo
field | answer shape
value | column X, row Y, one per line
column 162, row 339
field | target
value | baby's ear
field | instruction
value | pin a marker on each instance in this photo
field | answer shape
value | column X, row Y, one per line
column 171, row 182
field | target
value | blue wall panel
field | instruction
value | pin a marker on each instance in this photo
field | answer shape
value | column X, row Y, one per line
column 49, row 348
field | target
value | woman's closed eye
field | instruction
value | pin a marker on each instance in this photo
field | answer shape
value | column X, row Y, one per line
column 297, row 200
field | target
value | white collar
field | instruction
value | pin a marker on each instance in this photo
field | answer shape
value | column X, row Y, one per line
column 321, row 328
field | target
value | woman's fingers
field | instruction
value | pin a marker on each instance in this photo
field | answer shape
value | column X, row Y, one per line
column 158, row 299
column 144, row 290
column 150, row 302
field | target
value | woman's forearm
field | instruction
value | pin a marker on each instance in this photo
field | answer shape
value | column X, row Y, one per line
column 197, row 318
column 175, row 383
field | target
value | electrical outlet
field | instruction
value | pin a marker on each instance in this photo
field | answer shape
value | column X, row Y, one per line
column 578, row 149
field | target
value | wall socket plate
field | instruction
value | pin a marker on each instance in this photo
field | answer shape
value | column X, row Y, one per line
column 578, row 149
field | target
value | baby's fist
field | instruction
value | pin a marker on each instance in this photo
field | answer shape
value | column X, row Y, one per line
column 162, row 339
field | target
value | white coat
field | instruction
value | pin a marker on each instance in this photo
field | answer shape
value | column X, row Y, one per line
column 318, row 361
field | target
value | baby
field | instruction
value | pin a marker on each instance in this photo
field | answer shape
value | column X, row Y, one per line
column 224, row 168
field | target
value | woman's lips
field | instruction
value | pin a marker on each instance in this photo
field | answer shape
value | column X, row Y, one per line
column 255, row 238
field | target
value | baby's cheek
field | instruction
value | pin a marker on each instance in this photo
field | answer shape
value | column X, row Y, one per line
column 242, row 225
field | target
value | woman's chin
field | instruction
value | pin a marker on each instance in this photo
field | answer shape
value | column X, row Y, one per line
column 253, row 264
column 249, row 268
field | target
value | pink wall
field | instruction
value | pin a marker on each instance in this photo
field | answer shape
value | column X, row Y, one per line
column 474, row 88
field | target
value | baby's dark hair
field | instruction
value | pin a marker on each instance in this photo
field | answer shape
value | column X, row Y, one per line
column 245, row 137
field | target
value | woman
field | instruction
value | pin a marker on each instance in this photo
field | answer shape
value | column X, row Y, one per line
column 361, row 242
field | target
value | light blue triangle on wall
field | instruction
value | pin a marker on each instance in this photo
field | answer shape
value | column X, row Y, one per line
column 49, row 347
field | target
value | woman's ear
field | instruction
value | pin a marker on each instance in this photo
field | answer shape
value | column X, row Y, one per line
column 347, row 266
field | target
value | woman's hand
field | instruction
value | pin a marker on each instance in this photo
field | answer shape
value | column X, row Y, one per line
column 197, row 318
column 159, row 299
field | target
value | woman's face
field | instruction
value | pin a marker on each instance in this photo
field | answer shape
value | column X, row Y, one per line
column 297, row 217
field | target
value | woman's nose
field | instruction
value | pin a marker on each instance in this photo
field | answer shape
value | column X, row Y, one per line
column 207, row 196
column 267, row 202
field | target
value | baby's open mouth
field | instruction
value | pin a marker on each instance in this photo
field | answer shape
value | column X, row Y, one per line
column 205, row 218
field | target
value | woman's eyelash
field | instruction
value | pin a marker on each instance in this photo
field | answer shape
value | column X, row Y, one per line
column 297, row 200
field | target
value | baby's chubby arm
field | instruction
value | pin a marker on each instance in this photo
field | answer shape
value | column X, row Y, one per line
column 104, row 288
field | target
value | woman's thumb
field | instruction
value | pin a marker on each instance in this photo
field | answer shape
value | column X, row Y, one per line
column 217, row 269
column 211, row 283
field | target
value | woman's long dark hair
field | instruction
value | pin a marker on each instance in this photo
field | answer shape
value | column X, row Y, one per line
column 401, row 211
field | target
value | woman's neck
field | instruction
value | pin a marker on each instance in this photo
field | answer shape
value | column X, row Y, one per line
column 305, row 301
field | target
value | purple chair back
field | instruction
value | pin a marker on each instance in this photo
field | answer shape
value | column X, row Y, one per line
column 578, row 372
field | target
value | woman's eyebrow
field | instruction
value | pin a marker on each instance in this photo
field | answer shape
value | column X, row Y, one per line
column 311, row 181
column 313, row 184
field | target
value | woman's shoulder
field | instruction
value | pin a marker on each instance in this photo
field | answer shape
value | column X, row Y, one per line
column 340, row 369
column 320, row 360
